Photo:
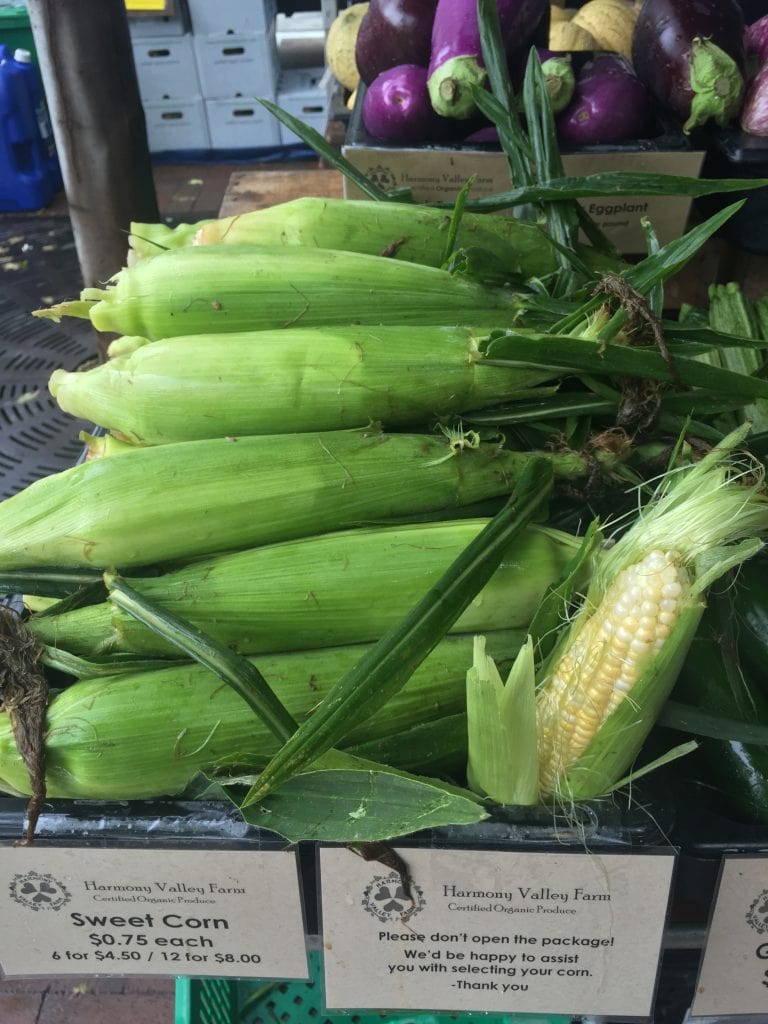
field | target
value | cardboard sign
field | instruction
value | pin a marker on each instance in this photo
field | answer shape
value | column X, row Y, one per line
column 153, row 912
column 496, row 932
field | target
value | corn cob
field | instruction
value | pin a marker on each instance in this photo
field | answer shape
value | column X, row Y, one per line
column 609, row 676
column 401, row 231
column 297, row 379
column 180, row 501
column 144, row 735
column 212, row 289
column 343, row 588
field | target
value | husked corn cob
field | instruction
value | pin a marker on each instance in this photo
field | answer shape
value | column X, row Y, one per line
column 213, row 289
column 181, row 501
column 342, row 588
column 603, row 663
column 403, row 231
column 607, row 679
column 295, row 379
column 144, row 735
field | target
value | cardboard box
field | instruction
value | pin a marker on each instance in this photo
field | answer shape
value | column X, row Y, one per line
column 436, row 173
column 240, row 123
column 305, row 93
column 176, row 125
column 231, row 17
column 237, row 65
column 166, row 67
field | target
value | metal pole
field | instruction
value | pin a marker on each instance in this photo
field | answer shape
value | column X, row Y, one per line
column 86, row 63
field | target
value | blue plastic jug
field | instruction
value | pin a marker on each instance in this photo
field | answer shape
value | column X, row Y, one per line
column 29, row 171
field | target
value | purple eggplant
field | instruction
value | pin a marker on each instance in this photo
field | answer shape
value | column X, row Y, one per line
column 610, row 105
column 396, row 106
column 756, row 41
column 456, row 62
column 487, row 135
column 754, row 113
column 391, row 33
column 690, row 56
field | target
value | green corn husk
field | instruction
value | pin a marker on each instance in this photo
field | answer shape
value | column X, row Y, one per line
column 146, row 735
column 731, row 312
column 402, row 231
column 222, row 289
column 343, row 588
column 607, row 679
column 297, row 379
column 182, row 501
column 150, row 239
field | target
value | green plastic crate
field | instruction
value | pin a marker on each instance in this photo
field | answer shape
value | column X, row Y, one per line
column 227, row 1001
column 15, row 30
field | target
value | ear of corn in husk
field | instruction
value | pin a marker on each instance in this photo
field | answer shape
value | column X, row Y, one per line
column 410, row 232
column 211, row 289
column 147, row 734
column 150, row 239
column 605, row 682
column 180, row 501
column 292, row 380
column 342, row 588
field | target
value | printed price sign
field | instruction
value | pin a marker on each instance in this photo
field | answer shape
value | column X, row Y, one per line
column 733, row 978
column 495, row 931
column 190, row 912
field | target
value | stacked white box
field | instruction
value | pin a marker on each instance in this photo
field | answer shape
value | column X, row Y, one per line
column 176, row 24
column 240, row 123
column 176, row 124
column 166, row 67
column 233, row 66
column 305, row 93
column 231, row 17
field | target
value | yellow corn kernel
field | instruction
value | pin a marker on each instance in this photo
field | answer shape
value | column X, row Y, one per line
column 606, row 658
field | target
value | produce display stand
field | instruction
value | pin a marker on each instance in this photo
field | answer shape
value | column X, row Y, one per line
column 651, row 823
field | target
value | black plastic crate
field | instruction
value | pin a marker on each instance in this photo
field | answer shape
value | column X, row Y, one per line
column 732, row 153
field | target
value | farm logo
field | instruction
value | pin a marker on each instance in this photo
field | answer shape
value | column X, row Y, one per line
column 382, row 176
column 386, row 899
column 757, row 915
column 39, row 892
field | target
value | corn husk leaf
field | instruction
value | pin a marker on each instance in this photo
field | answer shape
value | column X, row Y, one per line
column 355, row 801
column 502, row 760
column 686, row 718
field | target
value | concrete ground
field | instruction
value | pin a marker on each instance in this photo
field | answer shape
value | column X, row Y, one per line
column 73, row 1000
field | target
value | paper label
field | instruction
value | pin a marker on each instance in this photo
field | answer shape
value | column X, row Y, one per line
column 154, row 912
column 496, row 932
column 439, row 175
column 733, row 978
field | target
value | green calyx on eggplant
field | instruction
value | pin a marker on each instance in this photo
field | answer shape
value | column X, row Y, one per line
column 456, row 62
column 393, row 33
column 690, row 56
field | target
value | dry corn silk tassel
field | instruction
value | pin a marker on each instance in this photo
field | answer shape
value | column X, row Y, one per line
column 24, row 698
